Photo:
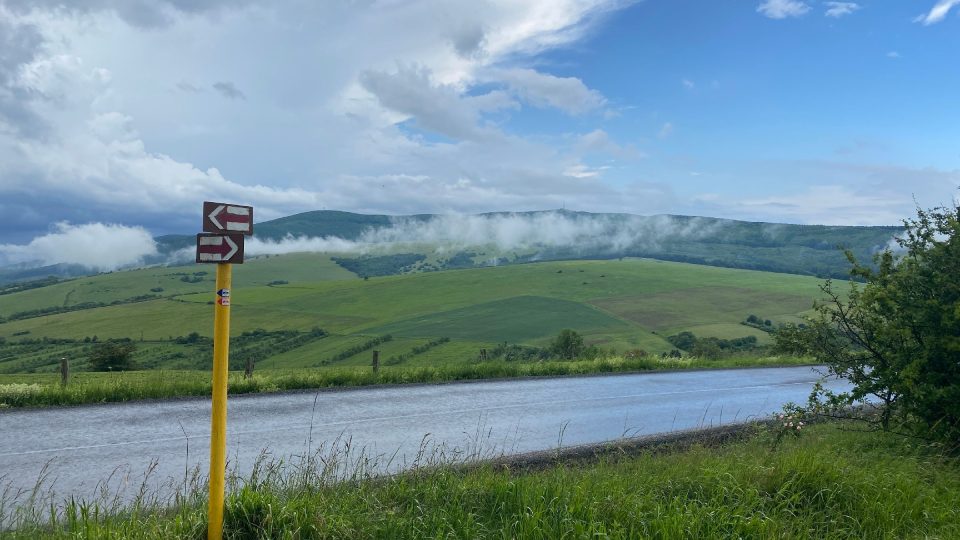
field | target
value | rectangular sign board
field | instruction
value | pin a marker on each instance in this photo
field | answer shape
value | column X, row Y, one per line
column 220, row 248
column 227, row 218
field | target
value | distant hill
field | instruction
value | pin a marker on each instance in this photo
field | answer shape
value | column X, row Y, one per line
column 814, row 250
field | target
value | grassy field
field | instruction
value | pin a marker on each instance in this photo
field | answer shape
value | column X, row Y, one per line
column 618, row 304
column 113, row 286
column 825, row 483
column 280, row 302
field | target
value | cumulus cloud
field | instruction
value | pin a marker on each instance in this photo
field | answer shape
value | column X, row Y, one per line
column 840, row 9
column 938, row 12
column 782, row 9
column 98, row 246
column 468, row 39
column 435, row 107
column 151, row 14
column 569, row 94
column 20, row 43
column 77, row 143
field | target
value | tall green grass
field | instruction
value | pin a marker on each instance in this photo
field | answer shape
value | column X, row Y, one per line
column 44, row 390
column 827, row 483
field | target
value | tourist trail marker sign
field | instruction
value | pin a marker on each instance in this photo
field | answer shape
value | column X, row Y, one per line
column 227, row 218
column 221, row 243
column 220, row 248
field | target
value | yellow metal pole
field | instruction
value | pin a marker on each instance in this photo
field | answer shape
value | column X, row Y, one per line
column 218, row 417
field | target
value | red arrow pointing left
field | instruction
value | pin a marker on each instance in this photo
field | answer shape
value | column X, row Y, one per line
column 227, row 218
column 219, row 248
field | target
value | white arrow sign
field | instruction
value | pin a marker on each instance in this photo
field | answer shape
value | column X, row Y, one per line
column 216, row 255
column 236, row 219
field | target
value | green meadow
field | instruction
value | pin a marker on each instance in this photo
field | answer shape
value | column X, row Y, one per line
column 303, row 311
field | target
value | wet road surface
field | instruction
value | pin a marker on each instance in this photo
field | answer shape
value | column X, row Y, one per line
column 78, row 451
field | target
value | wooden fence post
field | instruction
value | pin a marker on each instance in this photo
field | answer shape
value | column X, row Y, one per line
column 248, row 371
column 376, row 361
column 64, row 371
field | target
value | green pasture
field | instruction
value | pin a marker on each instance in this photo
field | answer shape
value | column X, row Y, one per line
column 117, row 286
column 615, row 304
column 519, row 319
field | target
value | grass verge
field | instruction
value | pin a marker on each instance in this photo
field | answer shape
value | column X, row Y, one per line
column 827, row 482
column 38, row 390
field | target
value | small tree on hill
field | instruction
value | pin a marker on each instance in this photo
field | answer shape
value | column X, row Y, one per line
column 112, row 356
column 567, row 345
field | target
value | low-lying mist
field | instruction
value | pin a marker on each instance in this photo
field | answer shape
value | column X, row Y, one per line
column 98, row 246
column 504, row 232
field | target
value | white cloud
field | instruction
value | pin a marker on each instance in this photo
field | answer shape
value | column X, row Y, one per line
column 845, row 193
column 688, row 84
column 894, row 54
column 505, row 232
column 599, row 141
column 438, row 108
column 95, row 245
column 568, row 94
column 782, row 9
column 666, row 130
column 822, row 204
column 299, row 131
column 840, row 9
column 938, row 12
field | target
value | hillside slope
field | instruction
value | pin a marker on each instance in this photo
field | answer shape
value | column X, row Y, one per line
column 281, row 301
column 814, row 250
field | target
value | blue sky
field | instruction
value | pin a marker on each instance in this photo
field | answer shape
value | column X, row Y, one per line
column 131, row 114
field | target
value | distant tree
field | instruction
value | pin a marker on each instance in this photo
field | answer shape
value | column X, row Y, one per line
column 567, row 345
column 707, row 348
column 189, row 339
column 112, row 356
column 683, row 340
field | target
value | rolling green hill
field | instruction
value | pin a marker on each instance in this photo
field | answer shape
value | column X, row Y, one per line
column 813, row 250
column 797, row 249
column 619, row 304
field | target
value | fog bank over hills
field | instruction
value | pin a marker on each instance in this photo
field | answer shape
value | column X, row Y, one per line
column 517, row 237
column 504, row 237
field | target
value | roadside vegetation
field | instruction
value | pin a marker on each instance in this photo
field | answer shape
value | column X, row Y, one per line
column 38, row 390
column 895, row 338
column 825, row 481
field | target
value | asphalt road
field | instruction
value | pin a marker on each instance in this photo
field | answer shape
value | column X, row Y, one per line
column 106, row 450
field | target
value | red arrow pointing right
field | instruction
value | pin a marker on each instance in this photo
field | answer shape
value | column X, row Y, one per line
column 219, row 248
